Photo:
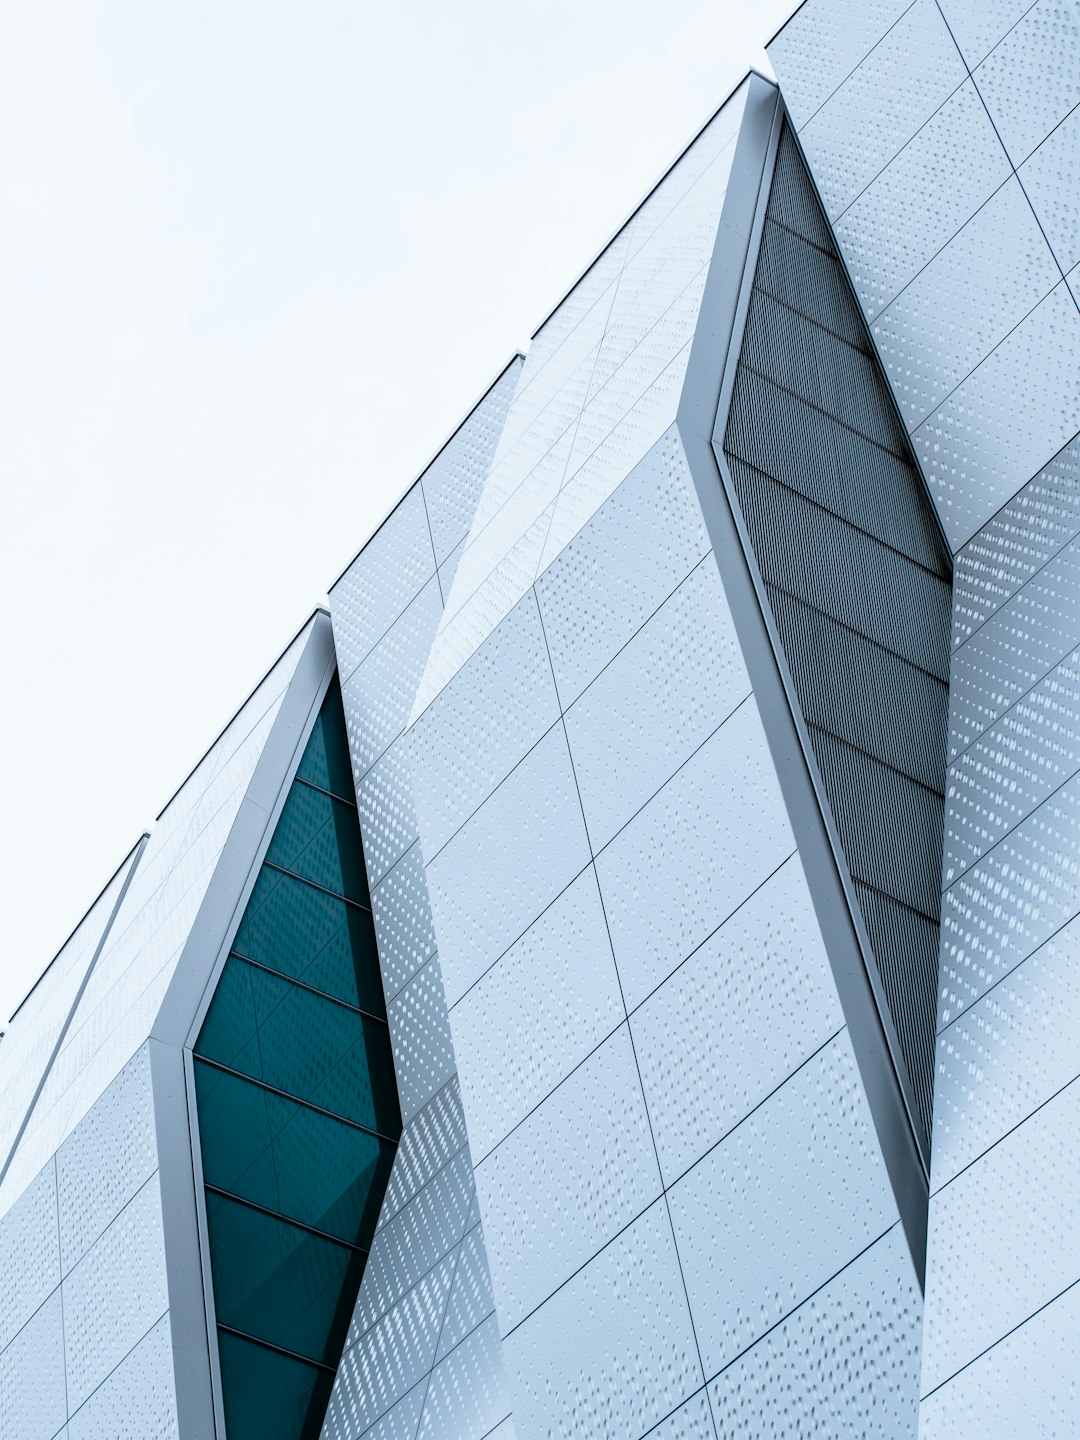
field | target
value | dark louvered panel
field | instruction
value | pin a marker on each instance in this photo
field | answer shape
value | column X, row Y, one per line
column 859, row 584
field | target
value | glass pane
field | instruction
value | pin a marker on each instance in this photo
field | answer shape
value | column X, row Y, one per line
column 269, row 1396
column 276, row 1281
column 314, row 937
column 302, row 1043
column 326, row 758
column 293, row 1160
column 318, row 838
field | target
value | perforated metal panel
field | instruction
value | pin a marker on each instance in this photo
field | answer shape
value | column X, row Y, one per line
column 858, row 581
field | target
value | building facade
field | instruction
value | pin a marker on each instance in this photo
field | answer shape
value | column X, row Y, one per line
column 617, row 975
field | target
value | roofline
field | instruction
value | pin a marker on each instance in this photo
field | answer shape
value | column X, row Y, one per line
column 651, row 191
column 517, row 355
column 786, row 23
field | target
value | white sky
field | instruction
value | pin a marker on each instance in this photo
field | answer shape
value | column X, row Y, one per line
column 256, row 260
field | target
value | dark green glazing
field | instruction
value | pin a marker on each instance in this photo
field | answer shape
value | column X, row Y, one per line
column 297, row 1106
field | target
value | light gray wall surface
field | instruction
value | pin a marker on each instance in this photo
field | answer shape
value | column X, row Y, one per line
column 945, row 139
column 423, row 1356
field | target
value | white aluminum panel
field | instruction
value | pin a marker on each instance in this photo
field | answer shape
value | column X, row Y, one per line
column 453, row 481
column 845, row 1363
column 1006, row 420
column 138, row 1400
column 29, row 1254
column 953, row 164
column 735, row 1020
column 507, row 863
column 786, row 1201
column 1031, row 529
column 568, row 1179
column 599, row 476
column 1029, row 80
column 535, row 1015
column 1073, row 279
column 820, row 46
column 387, row 816
column 1051, row 177
column 1030, row 634
column 1011, row 902
column 978, row 25
column 1007, row 773
column 692, row 1421
column 397, row 1351
column 420, row 1038
column 999, row 1246
column 1008, row 1054
column 638, row 547
column 411, row 1245
column 403, row 924
column 466, row 1395
column 697, row 850
column 397, row 1424
column 613, row 1351
column 660, row 698
column 379, row 693
column 470, row 1300
column 32, row 1403
column 1028, row 1384
column 494, row 710
column 874, row 113
column 432, row 1137
column 381, row 581
column 991, row 274
column 108, row 1157
column 115, row 1294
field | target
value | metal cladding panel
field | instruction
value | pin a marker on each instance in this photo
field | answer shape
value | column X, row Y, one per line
column 859, row 594
column 411, row 1318
column 125, row 991
column 32, row 1402
column 798, row 1379
column 136, row 1401
column 599, row 387
column 947, row 160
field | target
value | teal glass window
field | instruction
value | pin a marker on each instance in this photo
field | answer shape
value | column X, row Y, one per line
column 297, row 1105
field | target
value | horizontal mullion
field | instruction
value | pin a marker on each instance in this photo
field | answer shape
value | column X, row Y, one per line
column 303, row 985
column 285, row 1219
column 277, row 1349
column 332, row 794
column 293, row 875
column 296, row 1100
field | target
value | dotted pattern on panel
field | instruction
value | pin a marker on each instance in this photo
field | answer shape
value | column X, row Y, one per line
column 384, row 798
column 978, row 25
column 403, row 924
column 1029, row 80
column 1051, row 179
column 992, row 273
column 551, row 999
column 1011, row 902
column 1028, row 1384
column 470, row 1300
column 1030, row 634
column 115, row 1294
column 1001, row 1246
column 32, row 1377
column 697, row 1039
column 603, row 385
column 613, row 1353
column 381, row 581
column 912, row 70
column 109, row 1156
column 137, row 1401
column 799, row 1378
column 1000, row 1060
column 811, row 442
column 1013, row 767
column 466, row 1394
column 454, row 479
column 572, row 1175
column 977, row 449
column 29, row 1254
column 820, row 46
column 433, row 1136
column 420, row 1034
column 769, row 1216
column 955, row 161
column 1027, row 533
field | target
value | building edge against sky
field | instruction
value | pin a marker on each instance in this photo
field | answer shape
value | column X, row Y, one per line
column 662, row 809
